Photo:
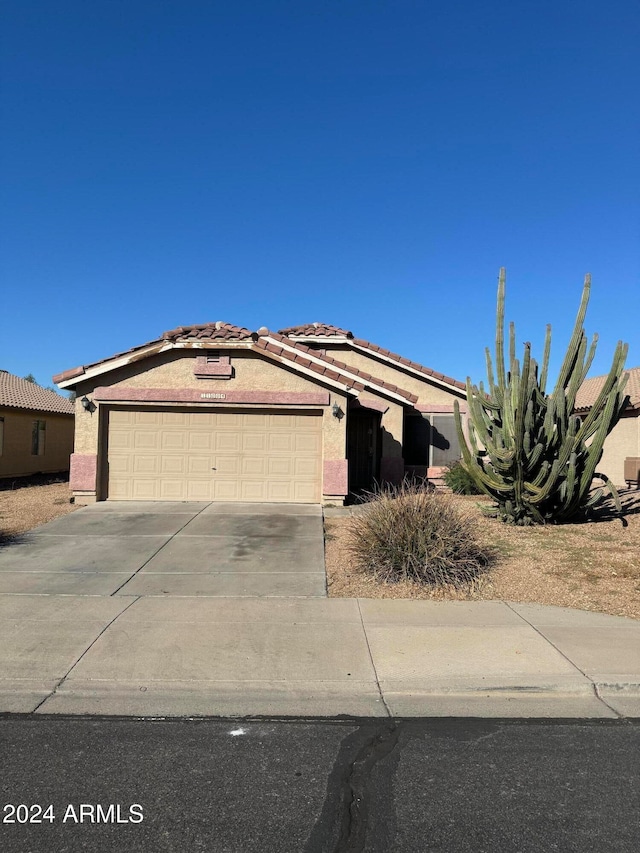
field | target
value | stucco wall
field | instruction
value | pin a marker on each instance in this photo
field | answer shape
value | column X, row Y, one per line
column 175, row 370
column 16, row 459
column 622, row 441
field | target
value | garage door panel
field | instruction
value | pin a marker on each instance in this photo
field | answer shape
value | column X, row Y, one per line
column 253, row 466
column 305, row 468
column 199, row 465
column 228, row 420
column 148, row 418
column 302, row 493
column 226, row 490
column 307, row 443
column 173, row 465
column 280, row 466
column 227, row 442
column 198, row 441
column 178, row 440
column 144, row 489
column 255, row 421
column 226, row 466
column 198, row 490
column 145, row 464
column 226, row 456
column 146, row 439
column 254, row 442
column 175, row 419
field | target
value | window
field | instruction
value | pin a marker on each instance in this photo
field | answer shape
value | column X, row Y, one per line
column 445, row 447
column 1, row 436
column 38, row 432
column 431, row 440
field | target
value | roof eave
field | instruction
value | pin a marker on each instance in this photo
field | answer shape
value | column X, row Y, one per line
column 146, row 351
column 459, row 389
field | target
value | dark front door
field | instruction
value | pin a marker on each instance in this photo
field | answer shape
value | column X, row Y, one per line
column 363, row 449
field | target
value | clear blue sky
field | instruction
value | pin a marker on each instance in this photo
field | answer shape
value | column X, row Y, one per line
column 368, row 163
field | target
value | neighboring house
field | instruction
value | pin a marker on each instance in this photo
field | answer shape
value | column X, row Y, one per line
column 217, row 412
column 36, row 428
column 623, row 442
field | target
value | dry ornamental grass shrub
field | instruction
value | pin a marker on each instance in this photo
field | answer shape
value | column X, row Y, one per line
column 408, row 533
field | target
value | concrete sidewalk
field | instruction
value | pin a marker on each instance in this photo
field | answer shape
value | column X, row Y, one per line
column 131, row 655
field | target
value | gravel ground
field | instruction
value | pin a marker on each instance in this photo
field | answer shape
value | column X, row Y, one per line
column 592, row 566
column 28, row 506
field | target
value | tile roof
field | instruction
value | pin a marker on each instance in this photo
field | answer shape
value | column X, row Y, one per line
column 420, row 368
column 205, row 331
column 333, row 363
column 316, row 330
column 218, row 331
column 17, row 393
column 590, row 388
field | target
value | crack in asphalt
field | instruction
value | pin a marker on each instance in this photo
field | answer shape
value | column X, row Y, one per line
column 343, row 824
column 353, row 830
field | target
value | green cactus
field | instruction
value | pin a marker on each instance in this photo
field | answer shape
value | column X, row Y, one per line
column 525, row 448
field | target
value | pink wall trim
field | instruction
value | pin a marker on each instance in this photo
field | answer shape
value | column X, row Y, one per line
column 83, row 472
column 440, row 408
column 120, row 394
column 376, row 405
column 392, row 469
column 335, row 477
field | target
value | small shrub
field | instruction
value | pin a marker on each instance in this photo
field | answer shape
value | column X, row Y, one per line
column 460, row 480
column 409, row 533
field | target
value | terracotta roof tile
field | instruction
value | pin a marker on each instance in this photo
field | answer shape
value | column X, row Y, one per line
column 590, row 388
column 427, row 371
column 209, row 331
column 17, row 393
column 340, row 365
column 316, row 330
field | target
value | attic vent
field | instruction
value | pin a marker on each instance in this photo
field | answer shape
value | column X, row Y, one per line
column 213, row 358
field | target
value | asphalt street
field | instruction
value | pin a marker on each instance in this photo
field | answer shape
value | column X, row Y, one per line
column 304, row 786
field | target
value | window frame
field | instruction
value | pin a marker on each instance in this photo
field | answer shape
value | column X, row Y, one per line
column 38, row 437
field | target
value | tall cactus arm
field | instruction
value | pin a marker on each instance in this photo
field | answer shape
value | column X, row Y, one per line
column 570, row 356
column 490, row 378
column 545, row 360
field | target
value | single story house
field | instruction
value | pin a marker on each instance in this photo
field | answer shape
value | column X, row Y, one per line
column 218, row 412
column 623, row 442
column 36, row 428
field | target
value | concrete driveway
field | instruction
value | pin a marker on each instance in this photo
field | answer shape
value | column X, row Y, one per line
column 173, row 548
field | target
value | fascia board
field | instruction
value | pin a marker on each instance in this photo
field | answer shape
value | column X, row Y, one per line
column 345, row 372
column 146, row 352
column 299, row 368
column 399, row 366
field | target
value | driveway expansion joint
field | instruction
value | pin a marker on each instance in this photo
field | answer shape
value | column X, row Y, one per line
column 373, row 666
column 86, row 651
column 596, row 692
column 164, row 544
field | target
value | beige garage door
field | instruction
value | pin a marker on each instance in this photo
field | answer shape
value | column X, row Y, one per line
column 218, row 456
